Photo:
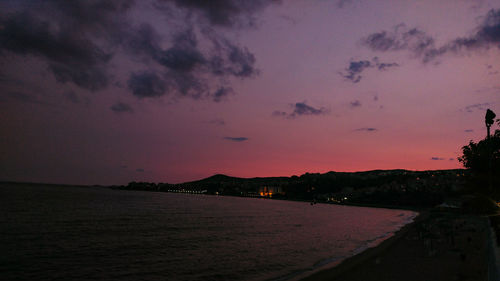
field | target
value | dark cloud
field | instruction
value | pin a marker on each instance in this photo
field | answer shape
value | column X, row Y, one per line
column 384, row 66
column 146, row 84
column 300, row 109
column 121, row 107
column 76, row 99
column 437, row 158
column 222, row 93
column 422, row 46
column 187, row 69
column 227, row 13
column 101, row 18
column 232, row 60
column 400, row 38
column 477, row 106
column 489, row 30
column 278, row 113
column 143, row 40
column 303, row 109
column 353, row 72
column 236, row 139
column 90, row 79
column 78, row 40
column 188, row 85
column 21, row 97
column 72, row 97
column 381, row 41
column 64, row 35
column 181, row 59
column 468, row 130
column 366, row 129
column 355, row 103
column 183, row 56
column 71, row 56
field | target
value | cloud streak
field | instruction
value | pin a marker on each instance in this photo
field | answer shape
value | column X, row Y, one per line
column 300, row 109
column 236, row 139
column 121, row 107
column 435, row 158
column 477, row 106
column 353, row 72
column 366, row 129
column 423, row 46
column 354, row 104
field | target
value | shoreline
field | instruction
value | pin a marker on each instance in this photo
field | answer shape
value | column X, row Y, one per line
column 437, row 254
column 367, row 205
column 332, row 270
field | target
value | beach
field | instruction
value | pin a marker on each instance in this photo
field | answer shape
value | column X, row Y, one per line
column 438, row 245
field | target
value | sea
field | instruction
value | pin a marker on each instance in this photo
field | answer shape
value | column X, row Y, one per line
column 96, row 233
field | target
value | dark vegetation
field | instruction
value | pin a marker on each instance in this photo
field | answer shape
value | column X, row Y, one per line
column 482, row 159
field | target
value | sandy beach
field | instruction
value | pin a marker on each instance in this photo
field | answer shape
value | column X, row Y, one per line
column 437, row 246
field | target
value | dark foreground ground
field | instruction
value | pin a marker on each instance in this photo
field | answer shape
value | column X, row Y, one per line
column 438, row 246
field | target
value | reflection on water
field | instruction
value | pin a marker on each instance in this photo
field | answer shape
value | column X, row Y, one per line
column 49, row 232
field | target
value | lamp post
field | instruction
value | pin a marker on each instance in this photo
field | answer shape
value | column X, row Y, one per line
column 489, row 120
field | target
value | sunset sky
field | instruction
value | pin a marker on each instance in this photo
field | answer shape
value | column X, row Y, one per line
column 107, row 92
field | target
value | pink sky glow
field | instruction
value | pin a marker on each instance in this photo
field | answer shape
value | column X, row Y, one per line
column 174, row 91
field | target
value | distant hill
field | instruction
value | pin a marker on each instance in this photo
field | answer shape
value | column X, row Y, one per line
column 224, row 178
column 395, row 187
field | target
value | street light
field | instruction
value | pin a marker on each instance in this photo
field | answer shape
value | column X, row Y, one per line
column 489, row 120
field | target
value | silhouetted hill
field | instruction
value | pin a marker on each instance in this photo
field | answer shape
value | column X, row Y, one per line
column 394, row 187
column 221, row 178
column 216, row 178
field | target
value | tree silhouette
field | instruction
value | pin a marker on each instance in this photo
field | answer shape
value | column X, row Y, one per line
column 483, row 158
column 476, row 155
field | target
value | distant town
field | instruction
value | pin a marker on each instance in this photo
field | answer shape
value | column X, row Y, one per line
column 389, row 187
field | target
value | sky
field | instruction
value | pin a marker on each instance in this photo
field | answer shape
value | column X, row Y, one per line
column 108, row 92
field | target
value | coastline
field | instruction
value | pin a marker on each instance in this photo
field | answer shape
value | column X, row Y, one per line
column 335, row 268
column 421, row 250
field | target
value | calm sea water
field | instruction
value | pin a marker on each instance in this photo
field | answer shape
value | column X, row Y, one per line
column 76, row 233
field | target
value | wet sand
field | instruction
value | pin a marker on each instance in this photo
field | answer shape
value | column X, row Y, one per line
column 437, row 246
